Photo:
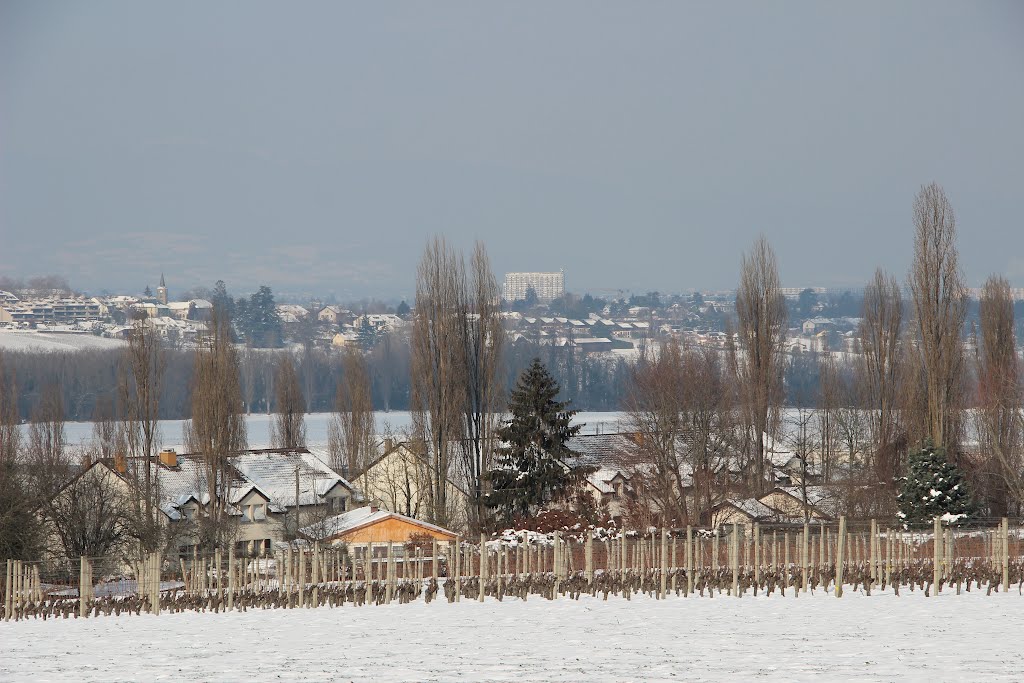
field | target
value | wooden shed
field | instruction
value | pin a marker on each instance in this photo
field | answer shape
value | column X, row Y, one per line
column 371, row 525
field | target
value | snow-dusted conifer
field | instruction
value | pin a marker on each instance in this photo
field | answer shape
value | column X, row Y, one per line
column 933, row 487
column 531, row 465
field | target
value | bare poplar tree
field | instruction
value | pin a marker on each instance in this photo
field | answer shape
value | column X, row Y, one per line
column 217, row 428
column 761, row 316
column 10, row 432
column 940, row 305
column 881, row 372
column 18, row 521
column 482, row 339
column 438, row 392
column 999, row 418
column 352, row 430
column 248, row 362
column 830, row 397
column 107, row 432
column 142, row 373
column 47, row 456
column 288, row 428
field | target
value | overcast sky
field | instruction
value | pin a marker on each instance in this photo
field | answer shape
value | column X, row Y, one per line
column 316, row 146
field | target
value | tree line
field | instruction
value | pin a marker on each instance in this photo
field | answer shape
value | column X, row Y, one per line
column 923, row 382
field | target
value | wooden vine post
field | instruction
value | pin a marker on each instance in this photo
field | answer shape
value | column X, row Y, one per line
column 840, row 547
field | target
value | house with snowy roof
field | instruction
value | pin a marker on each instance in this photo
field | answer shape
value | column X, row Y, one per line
column 267, row 494
column 823, row 502
column 334, row 315
column 743, row 511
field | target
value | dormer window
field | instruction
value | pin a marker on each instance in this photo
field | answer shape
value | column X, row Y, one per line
column 256, row 512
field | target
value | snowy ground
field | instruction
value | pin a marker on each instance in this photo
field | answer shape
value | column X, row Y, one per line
column 28, row 340
column 883, row 637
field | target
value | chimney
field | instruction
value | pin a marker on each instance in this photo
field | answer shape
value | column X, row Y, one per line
column 169, row 457
column 389, row 444
column 120, row 463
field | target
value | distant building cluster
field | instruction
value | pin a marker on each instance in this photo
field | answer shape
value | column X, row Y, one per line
column 60, row 310
column 178, row 323
column 548, row 286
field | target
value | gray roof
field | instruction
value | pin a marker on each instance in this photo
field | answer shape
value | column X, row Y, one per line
column 271, row 472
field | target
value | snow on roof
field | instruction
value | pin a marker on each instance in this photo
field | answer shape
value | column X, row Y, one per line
column 602, row 478
column 270, row 472
column 752, row 507
column 274, row 472
column 360, row 517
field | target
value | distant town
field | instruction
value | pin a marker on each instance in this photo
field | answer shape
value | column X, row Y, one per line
column 536, row 308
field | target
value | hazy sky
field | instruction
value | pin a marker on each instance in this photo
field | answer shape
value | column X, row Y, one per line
column 316, row 146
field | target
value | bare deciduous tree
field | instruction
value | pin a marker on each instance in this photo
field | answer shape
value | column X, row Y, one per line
column 830, row 397
column 483, row 338
column 709, row 419
column 90, row 516
column 217, row 427
column 999, row 419
column 438, row 368
column 18, row 522
column 288, row 428
column 46, row 443
column 352, row 431
column 10, row 432
column 761, row 316
column 142, row 380
column 881, row 362
column 656, row 404
column 940, row 305
column 107, row 431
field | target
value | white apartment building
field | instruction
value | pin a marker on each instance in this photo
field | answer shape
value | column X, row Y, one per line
column 548, row 286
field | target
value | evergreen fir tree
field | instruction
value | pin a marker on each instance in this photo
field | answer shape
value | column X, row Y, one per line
column 263, row 323
column 532, row 467
column 366, row 335
column 933, row 488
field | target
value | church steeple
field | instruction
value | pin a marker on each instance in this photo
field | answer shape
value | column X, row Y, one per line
column 161, row 291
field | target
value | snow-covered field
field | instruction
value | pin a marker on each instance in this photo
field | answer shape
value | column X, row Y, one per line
column 810, row 638
column 27, row 340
